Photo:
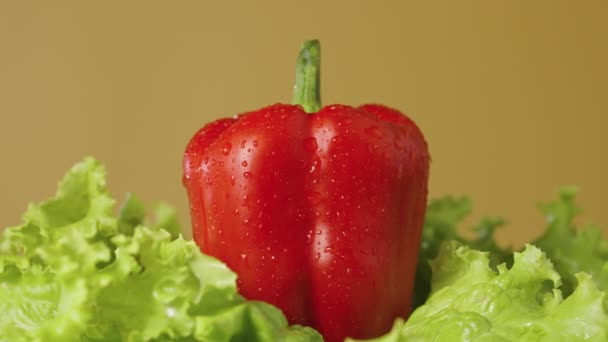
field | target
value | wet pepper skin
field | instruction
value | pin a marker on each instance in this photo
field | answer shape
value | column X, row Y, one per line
column 319, row 214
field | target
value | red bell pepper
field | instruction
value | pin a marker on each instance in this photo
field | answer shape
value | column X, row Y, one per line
column 318, row 213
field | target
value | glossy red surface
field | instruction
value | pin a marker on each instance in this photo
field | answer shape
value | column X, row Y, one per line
column 319, row 214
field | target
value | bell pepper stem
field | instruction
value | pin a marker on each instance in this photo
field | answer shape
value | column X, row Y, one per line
column 308, row 72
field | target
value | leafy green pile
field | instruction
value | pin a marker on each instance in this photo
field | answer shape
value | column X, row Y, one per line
column 463, row 294
column 571, row 250
column 75, row 272
column 471, row 302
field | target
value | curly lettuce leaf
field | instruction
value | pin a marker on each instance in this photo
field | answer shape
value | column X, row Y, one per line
column 472, row 302
column 442, row 221
column 73, row 271
column 573, row 250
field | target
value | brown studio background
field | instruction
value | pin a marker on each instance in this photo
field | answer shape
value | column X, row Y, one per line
column 512, row 95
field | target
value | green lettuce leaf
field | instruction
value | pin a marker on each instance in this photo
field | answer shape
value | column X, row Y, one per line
column 442, row 222
column 470, row 301
column 74, row 271
column 570, row 249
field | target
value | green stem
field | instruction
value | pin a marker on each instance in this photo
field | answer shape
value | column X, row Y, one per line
column 308, row 73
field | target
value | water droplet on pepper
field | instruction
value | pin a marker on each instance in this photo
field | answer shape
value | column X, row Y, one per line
column 226, row 148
